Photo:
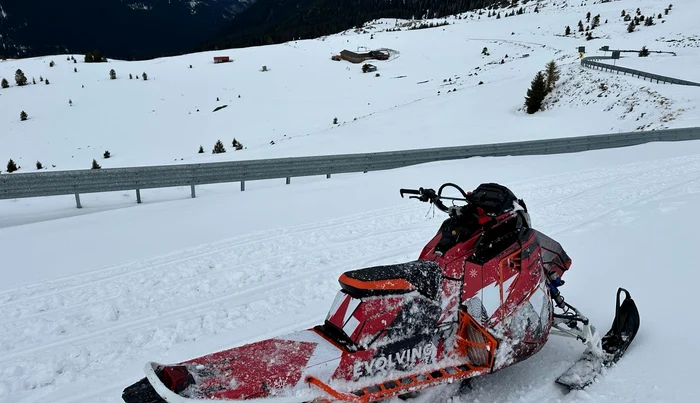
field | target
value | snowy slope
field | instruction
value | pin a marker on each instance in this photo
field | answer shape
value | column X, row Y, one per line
column 411, row 105
column 88, row 296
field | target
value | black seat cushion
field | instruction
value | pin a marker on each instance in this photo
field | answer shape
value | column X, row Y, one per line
column 424, row 276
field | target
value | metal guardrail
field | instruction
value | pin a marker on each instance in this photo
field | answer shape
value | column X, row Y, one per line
column 591, row 62
column 39, row 184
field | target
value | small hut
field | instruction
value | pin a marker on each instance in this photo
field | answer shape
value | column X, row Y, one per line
column 221, row 59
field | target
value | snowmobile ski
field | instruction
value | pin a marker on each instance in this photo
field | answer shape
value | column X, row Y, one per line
column 614, row 344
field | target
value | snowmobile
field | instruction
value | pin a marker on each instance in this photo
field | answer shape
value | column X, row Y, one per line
column 482, row 295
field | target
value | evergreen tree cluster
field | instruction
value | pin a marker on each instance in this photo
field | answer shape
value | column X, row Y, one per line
column 541, row 85
column 268, row 22
column 640, row 18
column 95, row 56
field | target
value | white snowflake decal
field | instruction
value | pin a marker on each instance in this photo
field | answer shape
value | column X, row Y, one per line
column 473, row 273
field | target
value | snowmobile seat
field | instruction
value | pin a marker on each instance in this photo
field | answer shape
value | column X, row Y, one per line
column 425, row 276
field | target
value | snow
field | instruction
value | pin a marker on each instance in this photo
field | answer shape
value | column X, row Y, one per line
column 165, row 119
column 89, row 296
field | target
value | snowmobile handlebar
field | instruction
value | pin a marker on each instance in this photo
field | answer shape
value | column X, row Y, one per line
column 429, row 195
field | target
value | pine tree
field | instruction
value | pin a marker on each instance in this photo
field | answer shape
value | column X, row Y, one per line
column 106, row 154
column 38, row 165
column 201, row 150
column 20, row 78
column 536, row 93
column 112, row 75
column 596, row 21
column 237, row 144
column 567, row 30
column 589, row 36
column 5, row 84
column 630, row 28
column 23, row 116
column 95, row 165
column 588, row 16
column 218, row 148
column 52, row 64
column 580, row 26
column 11, row 166
column 145, row 76
column 644, row 52
column 46, row 81
column 552, row 72
column 130, row 76
column 622, row 14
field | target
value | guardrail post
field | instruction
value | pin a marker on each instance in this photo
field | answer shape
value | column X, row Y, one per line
column 138, row 196
column 77, row 201
column 192, row 186
column 242, row 186
column 289, row 180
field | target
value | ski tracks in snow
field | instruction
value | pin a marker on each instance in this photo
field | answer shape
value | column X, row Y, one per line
column 76, row 329
column 57, row 331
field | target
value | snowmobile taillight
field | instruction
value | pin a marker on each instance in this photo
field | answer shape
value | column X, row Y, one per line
column 176, row 378
column 474, row 342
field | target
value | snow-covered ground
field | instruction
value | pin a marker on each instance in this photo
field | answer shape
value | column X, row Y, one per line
column 411, row 105
column 103, row 293
column 88, row 296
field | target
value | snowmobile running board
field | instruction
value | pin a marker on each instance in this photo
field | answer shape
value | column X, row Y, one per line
column 372, row 393
column 400, row 386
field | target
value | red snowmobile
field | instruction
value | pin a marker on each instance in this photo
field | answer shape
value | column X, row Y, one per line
column 483, row 295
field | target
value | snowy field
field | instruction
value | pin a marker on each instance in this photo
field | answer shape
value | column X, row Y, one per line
column 88, row 296
column 412, row 104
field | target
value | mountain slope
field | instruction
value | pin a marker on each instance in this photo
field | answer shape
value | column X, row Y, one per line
column 129, row 29
column 428, row 96
column 274, row 21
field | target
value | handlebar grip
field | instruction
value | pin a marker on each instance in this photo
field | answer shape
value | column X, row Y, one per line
column 409, row 191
